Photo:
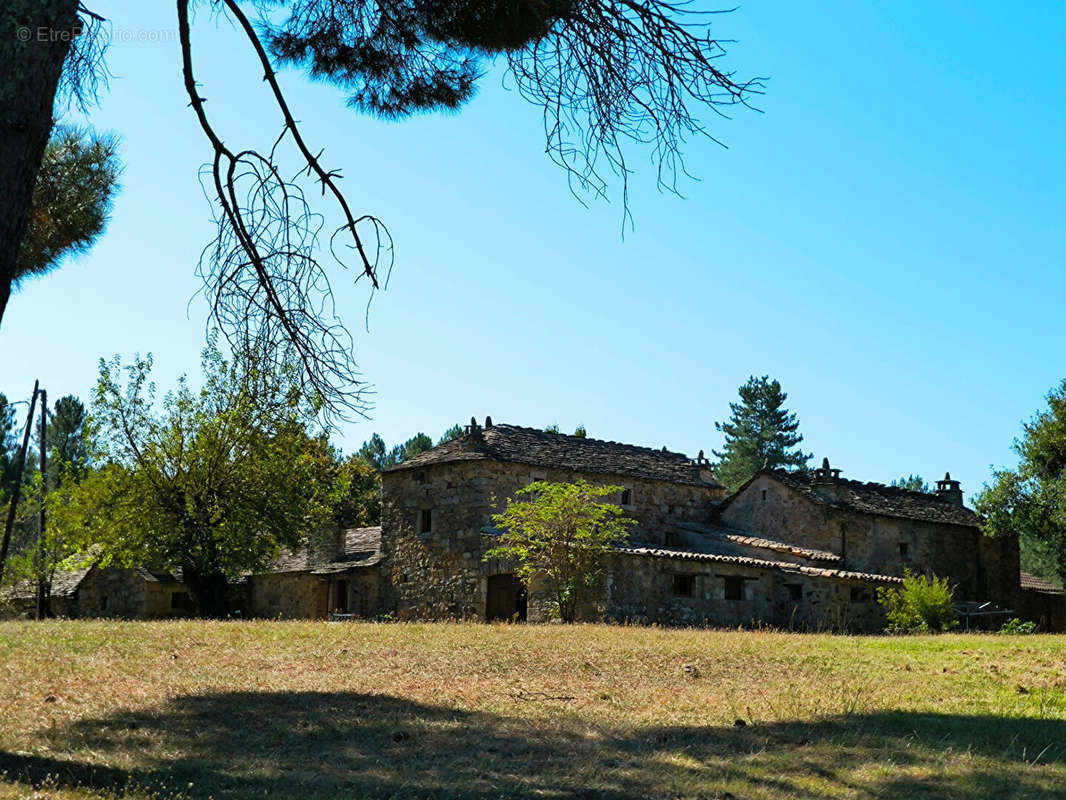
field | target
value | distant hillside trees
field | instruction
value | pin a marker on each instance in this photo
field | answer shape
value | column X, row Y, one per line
column 381, row 457
column 1030, row 501
column 760, row 432
column 912, row 483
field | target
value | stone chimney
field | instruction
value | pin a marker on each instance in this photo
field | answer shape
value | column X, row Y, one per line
column 473, row 435
column 825, row 472
column 701, row 469
column 825, row 480
column 949, row 490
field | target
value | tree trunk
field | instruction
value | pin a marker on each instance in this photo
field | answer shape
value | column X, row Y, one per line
column 35, row 36
column 208, row 593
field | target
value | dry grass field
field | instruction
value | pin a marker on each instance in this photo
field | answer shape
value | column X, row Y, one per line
column 262, row 709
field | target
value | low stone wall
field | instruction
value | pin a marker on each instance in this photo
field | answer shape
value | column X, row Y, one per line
column 1047, row 610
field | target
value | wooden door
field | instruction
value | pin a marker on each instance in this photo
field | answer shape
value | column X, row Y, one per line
column 503, row 596
column 322, row 600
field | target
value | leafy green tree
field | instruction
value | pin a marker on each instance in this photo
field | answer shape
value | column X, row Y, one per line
column 360, row 504
column 561, row 533
column 920, row 604
column 912, row 483
column 760, row 432
column 453, row 433
column 214, row 483
column 72, row 199
column 1030, row 501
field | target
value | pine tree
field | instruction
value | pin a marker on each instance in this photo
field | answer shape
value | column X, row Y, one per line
column 760, row 431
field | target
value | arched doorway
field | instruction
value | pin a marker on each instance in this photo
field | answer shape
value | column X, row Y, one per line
column 505, row 598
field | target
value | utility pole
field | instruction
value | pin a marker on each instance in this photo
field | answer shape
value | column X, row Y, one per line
column 19, row 467
column 43, row 601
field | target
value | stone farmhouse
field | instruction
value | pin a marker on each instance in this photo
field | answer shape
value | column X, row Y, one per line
column 93, row 591
column 794, row 550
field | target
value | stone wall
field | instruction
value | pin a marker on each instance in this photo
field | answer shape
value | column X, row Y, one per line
column 118, row 592
column 286, row 595
column 439, row 573
column 644, row 589
column 1047, row 610
column 979, row 567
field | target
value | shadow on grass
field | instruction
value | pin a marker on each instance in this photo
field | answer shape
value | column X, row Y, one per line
column 322, row 744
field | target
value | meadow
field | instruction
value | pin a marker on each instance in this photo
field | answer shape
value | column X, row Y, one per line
column 313, row 709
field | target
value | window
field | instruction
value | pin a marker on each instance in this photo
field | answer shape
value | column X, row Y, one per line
column 764, row 495
column 795, row 591
column 425, row 520
column 684, row 585
column 420, row 476
column 103, row 602
column 627, row 497
column 734, row 588
column 179, row 601
column 860, row 594
column 904, row 550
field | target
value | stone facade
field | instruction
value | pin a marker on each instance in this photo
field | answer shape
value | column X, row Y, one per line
column 335, row 574
column 121, row 593
column 804, row 551
column 882, row 538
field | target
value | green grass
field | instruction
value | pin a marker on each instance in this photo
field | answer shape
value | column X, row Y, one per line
column 263, row 709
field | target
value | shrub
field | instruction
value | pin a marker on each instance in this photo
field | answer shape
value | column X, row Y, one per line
column 1016, row 627
column 921, row 604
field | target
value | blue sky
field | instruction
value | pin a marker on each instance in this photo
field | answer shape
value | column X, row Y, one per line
column 885, row 239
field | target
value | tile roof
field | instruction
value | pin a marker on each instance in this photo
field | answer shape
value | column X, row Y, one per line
column 722, row 533
column 512, row 443
column 744, row 561
column 64, row 584
column 870, row 498
column 361, row 548
column 1039, row 584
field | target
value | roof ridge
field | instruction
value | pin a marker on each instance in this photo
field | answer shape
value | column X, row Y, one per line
column 570, row 436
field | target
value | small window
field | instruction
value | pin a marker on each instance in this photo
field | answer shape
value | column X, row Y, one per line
column 627, row 497
column 764, row 495
column 860, row 594
column 179, row 601
column 420, row 476
column 795, row 591
column 684, row 585
column 103, row 602
column 734, row 588
column 904, row 550
column 425, row 520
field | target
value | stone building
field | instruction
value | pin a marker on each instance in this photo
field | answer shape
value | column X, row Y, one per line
column 794, row 550
column 95, row 591
column 805, row 550
column 334, row 575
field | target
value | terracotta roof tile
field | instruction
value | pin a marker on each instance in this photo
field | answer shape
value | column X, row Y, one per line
column 784, row 566
column 512, row 443
column 1039, row 584
column 734, row 536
